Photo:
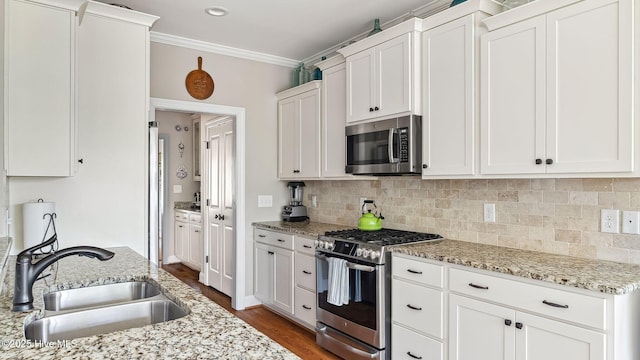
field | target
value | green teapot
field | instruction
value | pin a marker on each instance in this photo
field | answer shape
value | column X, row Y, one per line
column 370, row 221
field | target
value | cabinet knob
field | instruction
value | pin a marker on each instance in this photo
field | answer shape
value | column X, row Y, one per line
column 376, row 108
column 538, row 161
column 370, row 109
column 519, row 325
column 424, row 166
column 81, row 161
column 549, row 161
column 296, row 171
column 507, row 322
column 270, row 252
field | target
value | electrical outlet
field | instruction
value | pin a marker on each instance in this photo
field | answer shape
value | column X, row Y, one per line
column 489, row 212
column 610, row 221
column 362, row 199
column 631, row 222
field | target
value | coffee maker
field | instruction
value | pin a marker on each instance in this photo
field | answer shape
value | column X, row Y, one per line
column 295, row 211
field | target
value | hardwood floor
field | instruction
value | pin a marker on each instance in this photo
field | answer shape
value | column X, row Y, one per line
column 297, row 339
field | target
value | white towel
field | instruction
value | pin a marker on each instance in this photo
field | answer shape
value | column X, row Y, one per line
column 338, row 293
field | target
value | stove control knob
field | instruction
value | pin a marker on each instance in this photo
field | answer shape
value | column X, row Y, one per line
column 358, row 252
column 328, row 245
column 316, row 243
column 375, row 255
column 365, row 253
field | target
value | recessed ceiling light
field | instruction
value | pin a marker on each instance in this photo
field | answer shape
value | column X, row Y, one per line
column 216, row 11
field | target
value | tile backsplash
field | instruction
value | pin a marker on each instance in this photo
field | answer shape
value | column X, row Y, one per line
column 560, row 216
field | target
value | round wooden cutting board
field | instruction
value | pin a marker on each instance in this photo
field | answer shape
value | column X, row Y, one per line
column 199, row 83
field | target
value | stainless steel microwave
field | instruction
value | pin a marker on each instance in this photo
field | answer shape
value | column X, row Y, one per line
column 385, row 147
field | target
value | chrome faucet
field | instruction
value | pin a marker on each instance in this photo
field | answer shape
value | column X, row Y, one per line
column 27, row 272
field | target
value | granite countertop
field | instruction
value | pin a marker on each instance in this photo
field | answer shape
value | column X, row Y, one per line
column 307, row 228
column 208, row 332
column 597, row 275
column 186, row 206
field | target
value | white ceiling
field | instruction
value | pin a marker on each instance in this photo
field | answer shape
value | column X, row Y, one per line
column 291, row 29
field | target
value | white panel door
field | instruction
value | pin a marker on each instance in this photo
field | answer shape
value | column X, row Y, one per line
column 334, row 87
column 288, row 126
column 181, row 232
column 263, row 273
column 309, row 134
column 449, row 98
column 544, row 339
column 513, row 99
column 393, row 76
column 196, row 248
column 478, row 331
column 589, row 87
column 360, row 85
column 283, row 279
column 218, row 184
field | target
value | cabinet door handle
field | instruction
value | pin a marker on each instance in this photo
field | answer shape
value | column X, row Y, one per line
column 424, row 166
column 414, row 307
column 549, row 161
column 519, row 325
column 538, row 161
column 306, row 246
column 478, row 286
column 262, row 236
column 507, row 322
column 554, row 304
column 280, row 240
column 306, row 307
column 179, row 225
column 306, row 272
column 413, row 356
column 296, row 171
column 414, row 271
column 270, row 252
column 196, row 230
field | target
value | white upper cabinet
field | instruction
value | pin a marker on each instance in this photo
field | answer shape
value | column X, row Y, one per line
column 299, row 132
column 383, row 76
column 40, row 87
column 557, row 92
column 450, row 81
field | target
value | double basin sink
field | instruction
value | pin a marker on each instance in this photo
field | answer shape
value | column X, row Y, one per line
column 101, row 309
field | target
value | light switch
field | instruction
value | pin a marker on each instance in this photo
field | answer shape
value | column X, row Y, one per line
column 631, row 222
column 177, row 189
column 265, row 201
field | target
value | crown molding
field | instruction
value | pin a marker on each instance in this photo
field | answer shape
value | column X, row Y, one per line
column 222, row 49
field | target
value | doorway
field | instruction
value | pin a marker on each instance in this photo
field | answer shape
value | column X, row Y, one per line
column 238, row 247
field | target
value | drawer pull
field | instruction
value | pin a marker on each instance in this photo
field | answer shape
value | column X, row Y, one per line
column 478, row 286
column 280, row 240
column 306, row 246
column 414, row 307
column 414, row 271
column 306, row 307
column 262, row 236
column 306, row 272
column 554, row 304
column 413, row 356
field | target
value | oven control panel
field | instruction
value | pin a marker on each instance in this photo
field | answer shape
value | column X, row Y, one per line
column 350, row 249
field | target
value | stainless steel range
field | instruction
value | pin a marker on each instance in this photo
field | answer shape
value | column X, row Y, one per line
column 353, row 283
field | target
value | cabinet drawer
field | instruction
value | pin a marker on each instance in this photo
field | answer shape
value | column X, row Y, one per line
column 305, row 271
column 274, row 238
column 195, row 219
column 560, row 304
column 419, row 271
column 305, row 245
column 406, row 344
column 305, row 302
column 181, row 216
column 417, row 307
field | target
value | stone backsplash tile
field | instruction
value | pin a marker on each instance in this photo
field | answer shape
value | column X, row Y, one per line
column 560, row 216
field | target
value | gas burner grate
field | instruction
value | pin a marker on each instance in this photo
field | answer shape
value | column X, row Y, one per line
column 382, row 237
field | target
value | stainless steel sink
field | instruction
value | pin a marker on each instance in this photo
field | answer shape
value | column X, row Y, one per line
column 99, row 295
column 101, row 320
column 102, row 309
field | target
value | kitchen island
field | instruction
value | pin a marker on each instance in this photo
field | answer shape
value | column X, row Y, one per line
column 207, row 332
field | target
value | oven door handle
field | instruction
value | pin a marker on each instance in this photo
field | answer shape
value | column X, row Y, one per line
column 351, row 265
column 392, row 146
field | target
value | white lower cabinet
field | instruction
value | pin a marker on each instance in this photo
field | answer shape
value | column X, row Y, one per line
column 446, row 311
column 480, row 330
column 188, row 245
column 417, row 308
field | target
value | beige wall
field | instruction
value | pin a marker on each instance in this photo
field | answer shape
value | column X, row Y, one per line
column 241, row 83
column 559, row 216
